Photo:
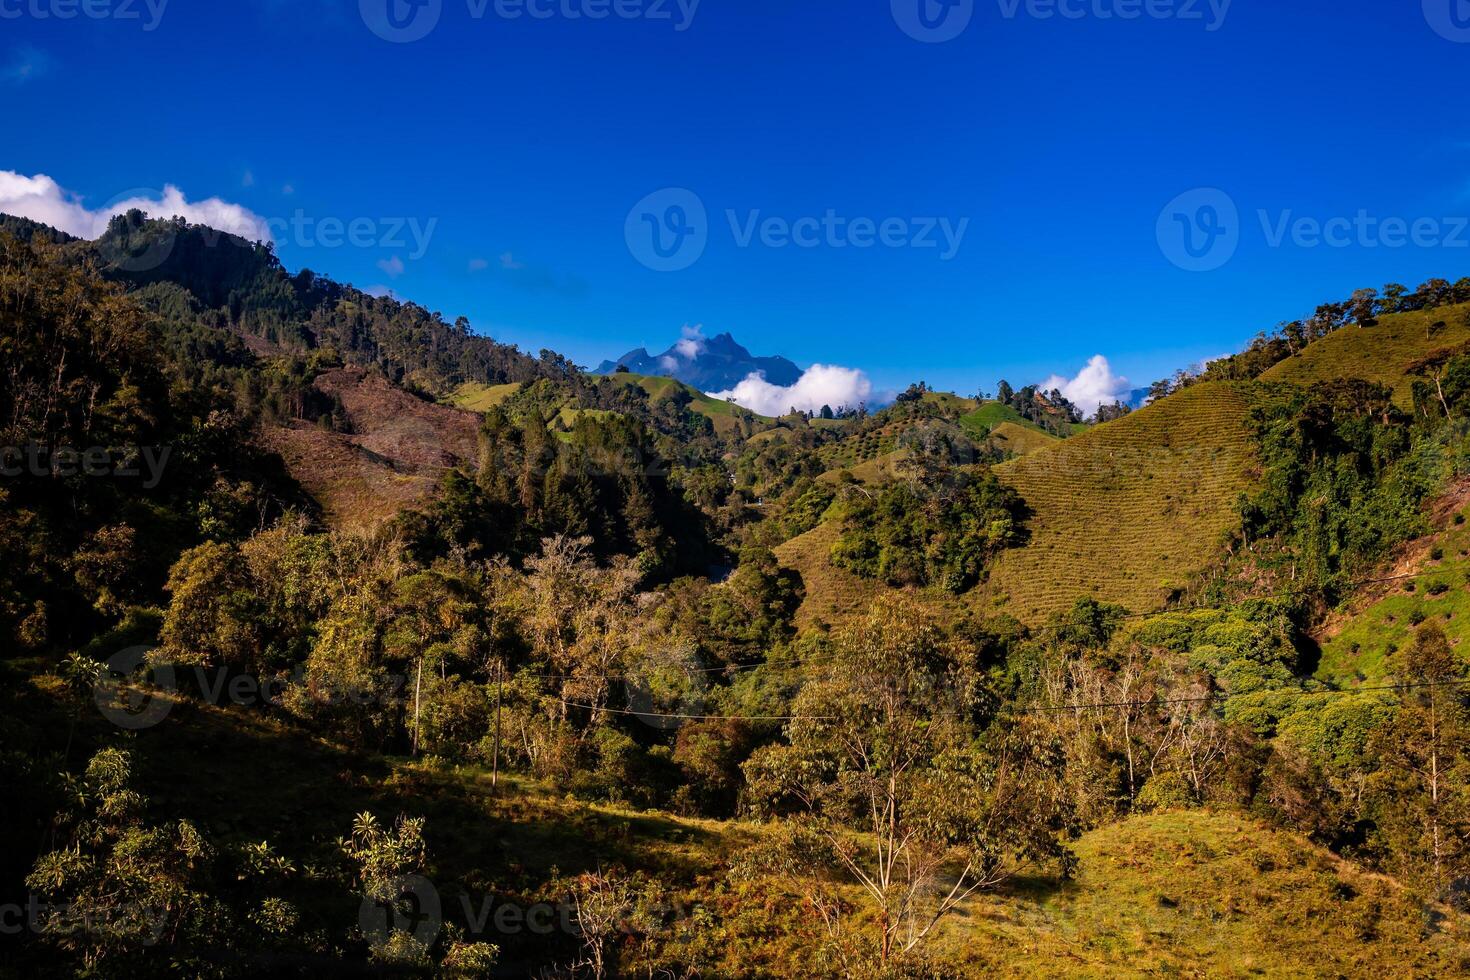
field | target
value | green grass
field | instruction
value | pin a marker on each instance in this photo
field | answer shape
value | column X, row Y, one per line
column 1207, row 894
column 1357, row 644
column 723, row 414
column 1130, row 511
column 475, row 397
column 1020, row 439
column 1191, row 893
column 980, row 422
column 1378, row 353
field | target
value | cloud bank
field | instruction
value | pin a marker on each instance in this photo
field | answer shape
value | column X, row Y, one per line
column 42, row 199
column 1094, row 385
column 822, row 384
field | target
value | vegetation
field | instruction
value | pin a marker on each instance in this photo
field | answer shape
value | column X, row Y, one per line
column 701, row 693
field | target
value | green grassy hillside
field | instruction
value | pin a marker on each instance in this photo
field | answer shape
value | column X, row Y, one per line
column 1128, row 511
column 1209, row 894
column 475, row 397
column 480, row 398
column 1014, row 437
column 1357, row 641
column 1379, row 353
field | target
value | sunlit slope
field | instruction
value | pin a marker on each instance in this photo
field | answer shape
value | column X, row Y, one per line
column 1428, row 581
column 1011, row 437
column 1209, row 894
column 1380, row 353
column 832, row 594
column 475, row 397
column 1128, row 511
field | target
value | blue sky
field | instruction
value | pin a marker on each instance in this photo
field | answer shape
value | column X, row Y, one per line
column 1054, row 142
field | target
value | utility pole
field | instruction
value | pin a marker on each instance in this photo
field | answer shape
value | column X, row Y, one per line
column 499, row 691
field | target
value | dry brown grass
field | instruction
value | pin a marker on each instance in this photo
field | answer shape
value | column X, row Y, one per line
column 398, row 449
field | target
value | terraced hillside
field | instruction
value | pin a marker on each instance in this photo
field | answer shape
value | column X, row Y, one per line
column 1199, row 893
column 1379, row 353
column 832, row 594
column 1128, row 511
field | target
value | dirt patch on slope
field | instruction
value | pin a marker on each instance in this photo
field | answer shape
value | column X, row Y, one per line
column 392, row 458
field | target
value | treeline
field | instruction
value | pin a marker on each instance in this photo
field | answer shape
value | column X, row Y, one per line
column 1289, row 338
column 1048, row 409
column 222, row 281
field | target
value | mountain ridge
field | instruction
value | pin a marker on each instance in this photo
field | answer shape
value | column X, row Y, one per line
column 717, row 363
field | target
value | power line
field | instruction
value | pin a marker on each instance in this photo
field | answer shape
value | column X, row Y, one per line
column 1033, row 709
column 1203, row 607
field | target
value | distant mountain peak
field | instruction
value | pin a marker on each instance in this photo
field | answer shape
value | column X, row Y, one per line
column 716, row 363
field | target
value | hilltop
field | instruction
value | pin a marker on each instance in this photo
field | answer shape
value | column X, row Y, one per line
column 1129, row 511
column 1381, row 353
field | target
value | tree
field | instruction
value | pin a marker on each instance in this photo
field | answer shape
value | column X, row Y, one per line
column 212, row 617
column 1422, row 791
column 1433, row 365
column 1364, row 307
column 907, row 796
column 125, row 897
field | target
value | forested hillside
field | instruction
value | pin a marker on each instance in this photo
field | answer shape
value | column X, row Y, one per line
column 342, row 640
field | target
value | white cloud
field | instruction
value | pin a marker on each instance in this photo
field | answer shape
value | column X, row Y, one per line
column 508, row 261
column 691, row 342
column 823, row 384
column 392, row 267
column 42, row 199
column 478, row 265
column 1094, row 385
